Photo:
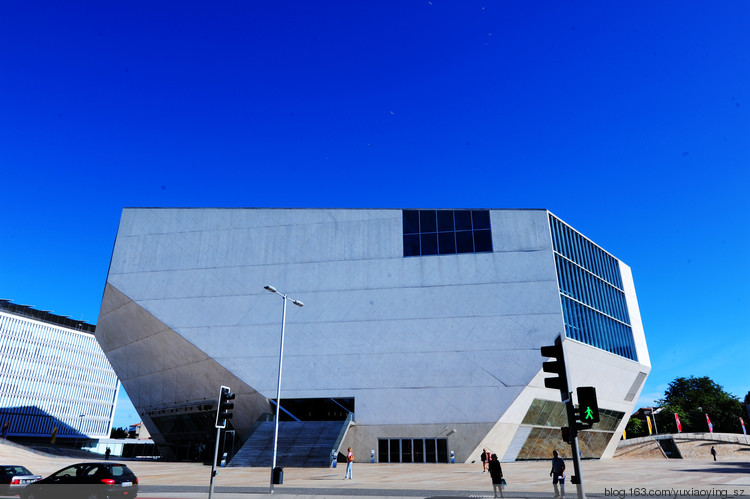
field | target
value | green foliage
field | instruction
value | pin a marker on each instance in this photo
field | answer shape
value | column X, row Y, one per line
column 119, row 433
column 692, row 398
column 747, row 398
column 636, row 428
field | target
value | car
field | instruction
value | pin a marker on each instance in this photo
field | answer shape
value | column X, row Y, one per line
column 91, row 480
column 13, row 478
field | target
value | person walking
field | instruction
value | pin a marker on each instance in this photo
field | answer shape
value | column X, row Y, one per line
column 558, row 474
column 484, row 457
column 496, row 474
column 349, row 461
column 713, row 452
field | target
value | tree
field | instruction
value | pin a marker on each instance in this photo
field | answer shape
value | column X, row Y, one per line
column 635, row 428
column 692, row 398
column 118, row 433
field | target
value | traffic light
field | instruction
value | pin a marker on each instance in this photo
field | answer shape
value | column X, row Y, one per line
column 556, row 366
column 225, row 406
column 565, row 434
column 588, row 408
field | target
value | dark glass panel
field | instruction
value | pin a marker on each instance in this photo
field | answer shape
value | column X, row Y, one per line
column 445, row 220
column 411, row 221
column 427, row 221
column 429, row 244
column 411, row 245
column 463, row 219
column 442, row 450
column 464, row 242
column 395, row 451
column 382, row 450
column 430, row 451
column 481, row 219
column 446, row 243
column 482, row 241
column 406, row 450
column 418, row 450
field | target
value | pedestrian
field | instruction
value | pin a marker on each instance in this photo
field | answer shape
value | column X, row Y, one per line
column 349, row 461
column 496, row 474
column 107, row 453
column 484, row 457
column 713, row 452
column 558, row 474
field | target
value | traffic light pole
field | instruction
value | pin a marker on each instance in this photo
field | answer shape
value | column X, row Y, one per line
column 573, row 424
column 213, row 464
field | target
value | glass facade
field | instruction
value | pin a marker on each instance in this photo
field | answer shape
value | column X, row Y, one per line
column 546, row 417
column 412, row 450
column 446, row 232
column 591, row 292
column 53, row 379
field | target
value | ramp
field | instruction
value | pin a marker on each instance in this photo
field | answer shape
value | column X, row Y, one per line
column 301, row 444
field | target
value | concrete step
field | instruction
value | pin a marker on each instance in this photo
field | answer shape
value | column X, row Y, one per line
column 300, row 444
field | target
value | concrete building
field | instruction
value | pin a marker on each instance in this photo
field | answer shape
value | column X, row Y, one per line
column 54, row 377
column 425, row 325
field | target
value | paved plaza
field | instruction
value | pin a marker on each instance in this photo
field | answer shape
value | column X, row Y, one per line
column 608, row 478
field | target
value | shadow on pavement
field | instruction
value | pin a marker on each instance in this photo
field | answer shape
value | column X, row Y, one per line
column 719, row 467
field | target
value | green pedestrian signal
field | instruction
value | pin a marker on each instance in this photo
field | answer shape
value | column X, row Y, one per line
column 588, row 407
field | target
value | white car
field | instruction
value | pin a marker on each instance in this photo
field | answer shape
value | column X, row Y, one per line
column 14, row 478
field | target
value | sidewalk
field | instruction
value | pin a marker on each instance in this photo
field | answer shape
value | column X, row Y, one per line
column 633, row 477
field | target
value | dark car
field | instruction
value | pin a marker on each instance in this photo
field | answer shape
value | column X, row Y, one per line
column 102, row 480
column 15, row 478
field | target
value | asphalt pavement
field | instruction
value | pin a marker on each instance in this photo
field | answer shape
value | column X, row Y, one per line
column 615, row 478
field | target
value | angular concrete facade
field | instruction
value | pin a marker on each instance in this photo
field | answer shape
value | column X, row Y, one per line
column 422, row 344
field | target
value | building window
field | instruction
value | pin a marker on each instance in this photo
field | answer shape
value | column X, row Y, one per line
column 446, row 232
column 591, row 292
column 412, row 450
column 546, row 417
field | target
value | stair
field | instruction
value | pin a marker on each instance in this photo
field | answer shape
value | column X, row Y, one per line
column 304, row 444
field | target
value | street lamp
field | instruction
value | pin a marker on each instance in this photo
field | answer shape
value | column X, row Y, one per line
column 80, row 421
column 653, row 416
column 271, row 289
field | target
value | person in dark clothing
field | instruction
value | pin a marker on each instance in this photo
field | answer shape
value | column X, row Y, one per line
column 107, row 453
column 558, row 474
column 496, row 474
column 484, row 457
column 713, row 452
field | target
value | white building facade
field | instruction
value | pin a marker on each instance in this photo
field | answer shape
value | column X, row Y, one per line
column 54, row 377
column 425, row 324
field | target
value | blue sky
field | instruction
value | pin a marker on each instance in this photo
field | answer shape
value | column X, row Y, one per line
column 629, row 120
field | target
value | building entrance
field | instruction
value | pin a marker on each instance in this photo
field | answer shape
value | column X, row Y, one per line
column 413, row 450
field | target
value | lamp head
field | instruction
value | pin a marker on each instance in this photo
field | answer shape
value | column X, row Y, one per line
column 298, row 303
column 270, row 288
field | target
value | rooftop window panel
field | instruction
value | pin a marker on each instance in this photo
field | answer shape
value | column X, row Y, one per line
column 411, row 221
column 445, row 221
column 427, row 221
column 446, row 232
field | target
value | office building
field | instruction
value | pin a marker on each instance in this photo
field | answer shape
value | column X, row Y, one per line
column 55, row 379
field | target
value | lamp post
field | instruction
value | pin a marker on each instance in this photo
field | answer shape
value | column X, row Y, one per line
column 271, row 289
column 653, row 416
column 80, row 421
